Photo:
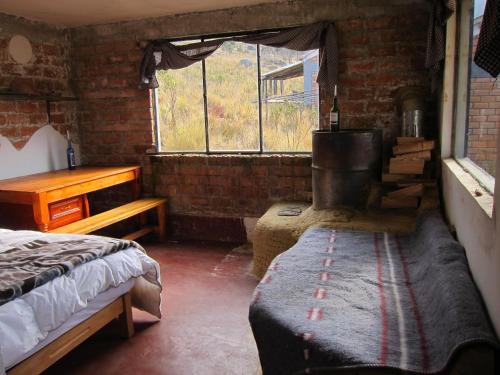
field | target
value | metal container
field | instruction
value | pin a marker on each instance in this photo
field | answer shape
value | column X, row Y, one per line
column 412, row 124
column 411, row 102
column 344, row 165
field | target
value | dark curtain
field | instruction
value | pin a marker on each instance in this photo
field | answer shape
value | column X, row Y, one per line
column 323, row 36
column 487, row 54
column 436, row 33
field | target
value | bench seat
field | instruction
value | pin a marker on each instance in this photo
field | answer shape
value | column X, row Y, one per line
column 115, row 215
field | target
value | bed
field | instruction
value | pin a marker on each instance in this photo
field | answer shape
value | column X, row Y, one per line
column 361, row 302
column 56, row 290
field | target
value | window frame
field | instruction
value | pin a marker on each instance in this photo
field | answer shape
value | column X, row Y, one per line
column 207, row 151
column 461, row 101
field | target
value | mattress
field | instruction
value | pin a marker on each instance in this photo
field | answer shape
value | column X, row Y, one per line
column 32, row 319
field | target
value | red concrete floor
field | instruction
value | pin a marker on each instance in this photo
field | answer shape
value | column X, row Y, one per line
column 204, row 330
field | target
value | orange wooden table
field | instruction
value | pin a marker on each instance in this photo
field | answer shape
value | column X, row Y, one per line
column 53, row 199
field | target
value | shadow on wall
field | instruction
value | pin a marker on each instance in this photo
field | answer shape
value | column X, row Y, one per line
column 45, row 151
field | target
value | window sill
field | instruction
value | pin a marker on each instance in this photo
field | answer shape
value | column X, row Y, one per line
column 486, row 180
column 466, row 177
column 230, row 154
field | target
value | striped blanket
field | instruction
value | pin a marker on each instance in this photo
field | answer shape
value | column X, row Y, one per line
column 36, row 258
column 342, row 299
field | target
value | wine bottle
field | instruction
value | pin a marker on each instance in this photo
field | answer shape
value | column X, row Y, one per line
column 70, row 153
column 335, row 114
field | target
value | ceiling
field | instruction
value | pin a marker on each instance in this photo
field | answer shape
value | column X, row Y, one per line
column 89, row 12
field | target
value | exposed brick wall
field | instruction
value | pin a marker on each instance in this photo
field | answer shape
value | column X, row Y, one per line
column 381, row 49
column 114, row 115
column 47, row 73
column 377, row 56
column 484, row 120
column 236, row 186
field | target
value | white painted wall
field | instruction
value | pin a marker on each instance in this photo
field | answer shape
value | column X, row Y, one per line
column 476, row 231
column 45, row 151
column 472, row 216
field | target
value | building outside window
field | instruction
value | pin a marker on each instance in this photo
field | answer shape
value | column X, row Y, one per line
column 477, row 116
column 243, row 98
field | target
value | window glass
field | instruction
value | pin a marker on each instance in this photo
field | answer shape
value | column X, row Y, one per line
column 289, row 98
column 232, row 98
column 483, row 109
column 180, row 109
column 214, row 106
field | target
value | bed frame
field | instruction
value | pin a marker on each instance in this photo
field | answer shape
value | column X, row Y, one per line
column 120, row 308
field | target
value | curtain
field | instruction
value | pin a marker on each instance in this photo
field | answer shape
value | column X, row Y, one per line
column 164, row 55
column 487, row 54
column 436, row 33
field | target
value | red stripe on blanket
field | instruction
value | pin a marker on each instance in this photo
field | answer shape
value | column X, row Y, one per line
column 307, row 336
column 256, row 296
column 266, row 280
column 315, row 313
column 320, row 293
column 416, row 311
column 274, row 266
column 327, row 262
column 324, row 276
column 330, row 250
column 383, row 311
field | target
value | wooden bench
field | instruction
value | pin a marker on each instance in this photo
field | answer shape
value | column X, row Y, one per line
column 104, row 219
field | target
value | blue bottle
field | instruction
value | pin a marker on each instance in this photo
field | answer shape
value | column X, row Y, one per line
column 70, row 153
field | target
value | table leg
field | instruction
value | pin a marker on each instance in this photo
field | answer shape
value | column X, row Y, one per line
column 136, row 185
column 41, row 211
column 86, row 206
column 162, row 221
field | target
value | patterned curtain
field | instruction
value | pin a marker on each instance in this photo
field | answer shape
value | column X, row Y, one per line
column 487, row 54
column 323, row 36
column 436, row 33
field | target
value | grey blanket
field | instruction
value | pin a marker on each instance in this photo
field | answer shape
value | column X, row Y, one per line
column 342, row 299
column 43, row 257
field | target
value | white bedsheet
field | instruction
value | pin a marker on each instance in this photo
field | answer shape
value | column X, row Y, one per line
column 102, row 300
column 27, row 320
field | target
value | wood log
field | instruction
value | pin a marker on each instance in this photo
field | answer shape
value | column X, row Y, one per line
column 409, row 191
column 413, row 147
column 428, row 183
column 402, row 140
column 393, row 178
column 424, row 155
column 411, row 166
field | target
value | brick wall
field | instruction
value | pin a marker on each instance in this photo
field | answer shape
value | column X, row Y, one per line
column 484, row 117
column 381, row 49
column 237, row 186
column 378, row 55
column 47, row 73
column 114, row 116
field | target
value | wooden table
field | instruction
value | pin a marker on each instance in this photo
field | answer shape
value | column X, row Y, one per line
column 53, row 199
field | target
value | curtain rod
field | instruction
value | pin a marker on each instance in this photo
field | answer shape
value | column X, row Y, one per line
column 222, row 35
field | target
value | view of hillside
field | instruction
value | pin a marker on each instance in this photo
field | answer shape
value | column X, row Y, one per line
column 232, row 103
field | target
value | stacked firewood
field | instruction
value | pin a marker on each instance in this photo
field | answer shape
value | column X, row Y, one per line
column 406, row 172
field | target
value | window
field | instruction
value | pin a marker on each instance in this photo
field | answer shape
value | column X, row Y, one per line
column 233, row 98
column 181, row 102
column 477, row 101
column 289, row 98
column 243, row 98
